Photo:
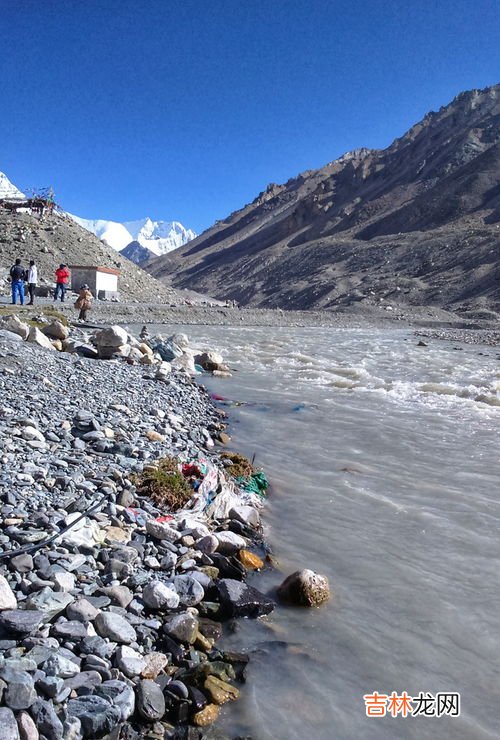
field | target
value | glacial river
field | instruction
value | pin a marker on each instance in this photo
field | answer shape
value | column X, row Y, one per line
column 385, row 469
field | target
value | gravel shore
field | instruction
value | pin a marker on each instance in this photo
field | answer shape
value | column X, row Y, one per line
column 112, row 605
column 354, row 316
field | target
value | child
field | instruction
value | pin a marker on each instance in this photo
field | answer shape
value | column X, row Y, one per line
column 84, row 302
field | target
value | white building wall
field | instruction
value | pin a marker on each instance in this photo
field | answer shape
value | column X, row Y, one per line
column 105, row 281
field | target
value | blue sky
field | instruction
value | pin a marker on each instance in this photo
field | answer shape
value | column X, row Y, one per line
column 187, row 109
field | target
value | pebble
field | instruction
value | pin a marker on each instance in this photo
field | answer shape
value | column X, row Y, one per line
column 27, row 728
column 250, row 560
column 21, row 621
column 190, row 592
column 8, row 723
column 115, row 627
column 157, row 595
column 150, row 700
column 129, row 661
column 206, row 716
column 7, row 597
column 183, row 627
column 96, row 714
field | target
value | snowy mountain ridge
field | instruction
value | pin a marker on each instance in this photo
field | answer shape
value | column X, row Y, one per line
column 160, row 237
column 7, row 189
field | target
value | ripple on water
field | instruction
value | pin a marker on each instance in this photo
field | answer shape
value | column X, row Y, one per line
column 385, row 469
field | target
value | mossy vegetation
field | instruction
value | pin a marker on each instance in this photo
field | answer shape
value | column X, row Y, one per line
column 240, row 465
column 164, row 484
column 25, row 314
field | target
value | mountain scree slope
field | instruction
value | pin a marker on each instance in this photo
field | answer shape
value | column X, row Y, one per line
column 416, row 223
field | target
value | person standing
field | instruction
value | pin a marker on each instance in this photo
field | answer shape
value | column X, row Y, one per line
column 84, row 302
column 32, row 281
column 17, row 275
column 62, row 280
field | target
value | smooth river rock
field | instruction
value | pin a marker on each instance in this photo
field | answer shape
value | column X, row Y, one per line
column 115, row 627
column 304, row 588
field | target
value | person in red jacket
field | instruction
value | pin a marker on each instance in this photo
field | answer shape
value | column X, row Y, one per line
column 62, row 280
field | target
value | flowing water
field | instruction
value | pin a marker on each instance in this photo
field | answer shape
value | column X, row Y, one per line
column 384, row 463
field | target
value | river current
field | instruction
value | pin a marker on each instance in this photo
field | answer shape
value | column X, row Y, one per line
column 384, row 462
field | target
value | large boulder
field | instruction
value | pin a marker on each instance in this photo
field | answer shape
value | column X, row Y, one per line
column 185, row 362
column 304, row 588
column 169, row 349
column 56, row 330
column 15, row 325
column 209, row 361
column 111, row 341
column 113, row 336
column 38, row 337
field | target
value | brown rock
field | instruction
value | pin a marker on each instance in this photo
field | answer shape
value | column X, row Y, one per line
column 155, row 436
column 117, row 534
column 209, row 361
column 224, row 438
column 207, row 715
column 155, row 663
column 250, row 560
column 27, row 728
column 220, row 691
column 203, row 643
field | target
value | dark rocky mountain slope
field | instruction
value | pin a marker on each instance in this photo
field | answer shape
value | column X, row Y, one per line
column 417, row 223
column 136, row 253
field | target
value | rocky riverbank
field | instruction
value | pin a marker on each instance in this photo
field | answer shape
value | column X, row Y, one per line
column 201, row 312
column 111, row 603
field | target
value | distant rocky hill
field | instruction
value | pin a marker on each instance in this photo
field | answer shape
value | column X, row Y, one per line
column 417, row 223
column 59, row 239
column 135, row 252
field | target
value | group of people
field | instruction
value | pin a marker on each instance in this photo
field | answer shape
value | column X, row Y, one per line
column 21, row 277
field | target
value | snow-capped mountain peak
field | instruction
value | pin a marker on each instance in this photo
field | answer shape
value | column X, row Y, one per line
column 7, row 189
column 112, row 232
column 159, row 237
